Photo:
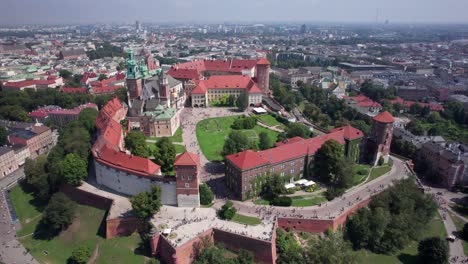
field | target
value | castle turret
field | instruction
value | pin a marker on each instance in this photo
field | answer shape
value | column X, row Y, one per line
column 263, row 75
column 164, row 91
column 133, row 80
column 187, row 167
column 381, row 136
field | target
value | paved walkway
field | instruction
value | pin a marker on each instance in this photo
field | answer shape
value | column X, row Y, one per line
column 11, row 250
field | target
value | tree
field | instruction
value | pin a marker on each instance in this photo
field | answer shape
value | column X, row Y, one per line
column 245, row 257
column 465, row 232
column 37, row 176
column 433, row 250
column 121, row 93
column 331, row 249
column 265, row 141
column 87, row 118
column 59, row 213
column 381, row 161
column 80, row 255
column 165, row 154
column 3, row 136
column 242, row 101
column 206, row 195
column 74, row 138
column 146, row 204
column 73, row 169
column 236, row 142
column 102, row 76
column 227, row 211
column 65, row 74
column 273, row 187
column 327, row 161
column 415, row 127
column 297, row 130
column 393, row 218
column 135, row 141
column 288, row 249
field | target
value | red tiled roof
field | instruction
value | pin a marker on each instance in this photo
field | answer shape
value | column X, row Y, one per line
column 297, row 148
column 247, row 159
column 130, row 163
column 227, row 82
column 263, row 61
column 108, row 112
column 187, row 159
column 74, row 90
column 433, row 107
column 289, row 141
column 104, row 89
column 384, row 117
column 349, row 132
column 194, row 69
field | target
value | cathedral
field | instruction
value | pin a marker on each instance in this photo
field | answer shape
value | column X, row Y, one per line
column 154, row 99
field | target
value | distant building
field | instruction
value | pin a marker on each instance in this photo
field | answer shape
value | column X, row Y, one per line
column 59, row 116
column 450, row 163
column 415, row 93
column 363, row 104
column 38, row 139
column 8, row 162
column 219, row 86
column 463, row 99
column 21, row 154
column 258, row 70
column 72, row 54
column 290, row 158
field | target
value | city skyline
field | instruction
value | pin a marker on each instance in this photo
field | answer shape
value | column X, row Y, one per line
column 211, row 11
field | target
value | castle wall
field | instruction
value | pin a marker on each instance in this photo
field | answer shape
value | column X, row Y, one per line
column 130, row 184
column 188, row 200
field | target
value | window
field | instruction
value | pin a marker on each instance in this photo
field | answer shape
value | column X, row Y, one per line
column 189, row 178
column 187, row 185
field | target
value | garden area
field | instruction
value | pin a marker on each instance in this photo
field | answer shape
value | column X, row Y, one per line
column 211, row 135
column 87, row 229
column 298, row 201
column 379, row 171
column 268, row 119
column 176, row 140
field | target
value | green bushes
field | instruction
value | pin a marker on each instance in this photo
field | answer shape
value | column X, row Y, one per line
column 227, row 211
column 244, row 123
column 281, row 201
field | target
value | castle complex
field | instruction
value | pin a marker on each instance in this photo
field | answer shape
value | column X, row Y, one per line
column 125, row 173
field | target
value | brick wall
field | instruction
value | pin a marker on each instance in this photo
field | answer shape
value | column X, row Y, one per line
column 123, row 226
column 86, row 198
column 264, row 251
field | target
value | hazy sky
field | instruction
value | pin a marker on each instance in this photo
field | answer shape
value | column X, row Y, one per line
column 92, row 11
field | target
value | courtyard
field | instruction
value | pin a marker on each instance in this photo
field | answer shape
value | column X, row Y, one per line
column 212, row 132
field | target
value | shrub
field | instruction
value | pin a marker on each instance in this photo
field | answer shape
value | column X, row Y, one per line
column 381, row 161
column 206, row 195
column 80, row 255
column 227, row 211
column 281, row 201
column 363, row 172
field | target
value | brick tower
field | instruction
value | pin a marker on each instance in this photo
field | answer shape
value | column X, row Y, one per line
column 381, row 136
column 263, row 75
column 187, row 166
column 164, row 92
column 133, row 77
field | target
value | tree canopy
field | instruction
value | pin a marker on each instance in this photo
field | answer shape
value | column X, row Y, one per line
column 73, row 169
column 135, row 141
column 433, row 250
column 394, row 218
column 236, row 142
column 242, row 101
column 206, row 195
column 146, row 204
column 165, row 154
column 265, row 142
column 59, row 213
column 87, row 118
column 297, row 130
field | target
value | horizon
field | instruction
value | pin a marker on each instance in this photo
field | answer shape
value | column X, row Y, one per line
column 53, row 12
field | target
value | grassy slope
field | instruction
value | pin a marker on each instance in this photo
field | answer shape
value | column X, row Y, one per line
column 84, row 230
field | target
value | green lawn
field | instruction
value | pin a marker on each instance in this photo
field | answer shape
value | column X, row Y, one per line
column 310, row 200
column 358, row 178
column 177, row 137
column 85, row 230
column 298, row 201
column 459, row 223
column 179, row 148
column 248, row 220
column 26, row 207
column 379, row 171
column 269, row 120
column 212, row 132
column 408, row 255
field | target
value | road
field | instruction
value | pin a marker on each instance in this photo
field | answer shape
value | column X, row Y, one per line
column 12, row 251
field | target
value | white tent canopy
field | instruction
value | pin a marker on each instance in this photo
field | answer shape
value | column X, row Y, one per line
column 289, row 185
column 301, row 182
column 309, row 183
column 259, row 110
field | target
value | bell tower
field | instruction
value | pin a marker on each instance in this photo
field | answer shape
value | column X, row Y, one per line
column 133, row 77
column 164, row 91
column 187, row 167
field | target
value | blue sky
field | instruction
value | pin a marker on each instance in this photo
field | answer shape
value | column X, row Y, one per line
column 93, row 11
